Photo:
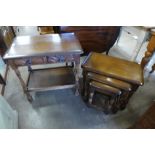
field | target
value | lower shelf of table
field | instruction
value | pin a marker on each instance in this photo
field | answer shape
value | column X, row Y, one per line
column 51, row 79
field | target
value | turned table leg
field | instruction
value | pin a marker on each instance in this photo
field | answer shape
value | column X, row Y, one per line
column 76, row 72
column 15, row 68
column 85, row 82
column 150, row 50
column 86, row 86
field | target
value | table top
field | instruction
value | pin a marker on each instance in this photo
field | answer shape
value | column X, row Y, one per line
column 40, row 45
column 114, row 67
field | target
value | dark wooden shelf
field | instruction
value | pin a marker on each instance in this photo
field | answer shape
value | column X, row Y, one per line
column 51, row 79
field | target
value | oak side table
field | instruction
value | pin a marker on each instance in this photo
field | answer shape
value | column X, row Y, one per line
column 46, row 49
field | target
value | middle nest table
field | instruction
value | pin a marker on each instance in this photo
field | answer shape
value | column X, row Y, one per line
column 45, row 49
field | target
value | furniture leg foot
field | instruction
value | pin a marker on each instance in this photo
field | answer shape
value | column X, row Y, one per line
column 77, row 92
column 29, row 97
column 153, row 68
column 91, row 95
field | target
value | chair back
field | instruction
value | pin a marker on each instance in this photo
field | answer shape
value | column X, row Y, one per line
column 8, row 37
column 45, row 30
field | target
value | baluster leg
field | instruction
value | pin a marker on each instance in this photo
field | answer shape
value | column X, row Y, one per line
column 15, row 68
column 150, row 51
column 76, row 72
